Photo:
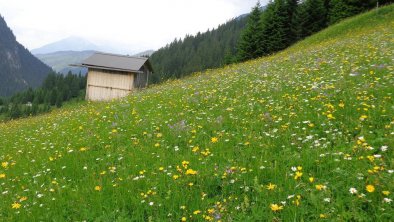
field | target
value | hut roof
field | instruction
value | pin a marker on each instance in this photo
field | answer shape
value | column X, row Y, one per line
column 115, row 62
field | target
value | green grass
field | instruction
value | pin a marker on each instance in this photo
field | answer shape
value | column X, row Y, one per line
column 323, row 109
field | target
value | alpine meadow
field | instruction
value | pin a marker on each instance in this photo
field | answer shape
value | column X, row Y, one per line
column 306, row 134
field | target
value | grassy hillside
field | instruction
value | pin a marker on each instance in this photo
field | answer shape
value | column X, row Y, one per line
column 303, row 135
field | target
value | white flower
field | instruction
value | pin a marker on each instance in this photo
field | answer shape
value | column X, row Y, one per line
column 294, row 169
column 328, row 200
column 290, row 196
column 151, row 203
column 353, row 190
column 387, row 200
column 384, row 148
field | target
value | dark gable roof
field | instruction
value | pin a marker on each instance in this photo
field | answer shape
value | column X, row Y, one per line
column 115, row 62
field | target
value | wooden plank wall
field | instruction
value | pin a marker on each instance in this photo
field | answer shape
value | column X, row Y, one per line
column 104, row 85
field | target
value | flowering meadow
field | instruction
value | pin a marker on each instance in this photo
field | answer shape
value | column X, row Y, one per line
column 306, row 134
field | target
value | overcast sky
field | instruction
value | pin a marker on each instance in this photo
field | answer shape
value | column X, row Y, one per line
column 141, row 24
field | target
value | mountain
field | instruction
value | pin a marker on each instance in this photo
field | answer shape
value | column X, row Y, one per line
column 68, row 44
column 305, row 134
column 19, row 69
column 60, row 61
column 74, row 43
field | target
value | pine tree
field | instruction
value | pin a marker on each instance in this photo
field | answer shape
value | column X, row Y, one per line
column 311, row 17
column 338, row 11
column 250, row 43
column 291, row 6
column 299, row 22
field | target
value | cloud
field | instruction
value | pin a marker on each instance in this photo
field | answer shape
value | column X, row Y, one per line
column 140, row 24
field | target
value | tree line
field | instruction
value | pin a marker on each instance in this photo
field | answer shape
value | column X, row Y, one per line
column 211, row 49
column 55, row 90
column 283, row 22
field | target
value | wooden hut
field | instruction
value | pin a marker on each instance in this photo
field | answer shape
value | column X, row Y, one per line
column 113, row 76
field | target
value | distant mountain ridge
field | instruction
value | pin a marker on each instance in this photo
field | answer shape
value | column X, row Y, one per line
column 60, row 61
column 19, row 69
column 68, row 44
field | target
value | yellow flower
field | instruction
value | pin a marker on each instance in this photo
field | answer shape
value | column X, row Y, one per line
column 370, row 188
column 298, row 175
column 82, row 149
column 299, row 168
column 311, row 179
column 196, row 212
column 16, row 205
column 22, row 199
column 2, row 175
column 157, row 144
column 175, row 177
column 114, row 131
column 320, row 187
column 185, row 164
column 214, row 139
column 330, row 116
column 159, row 135
column 191, row 172
column 341, row 104
column 183, row 219
column 97, row 188
column 271, row 186
column 386, row 192
column 161, row 168
column 323, row 216
column 4, row 164
column 276, row 207
column 195, row 149
column 363, row 117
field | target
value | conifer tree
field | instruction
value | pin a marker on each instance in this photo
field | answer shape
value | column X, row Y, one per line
column 291, row 6
column 311, row 17
column 251, row 41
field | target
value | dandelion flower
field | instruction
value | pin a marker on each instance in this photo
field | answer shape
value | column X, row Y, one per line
column 196, row 212
column 2, row 175
column 4, row 164
column 276, row 207
column 214, row 139
column 183, row 219
column 271, row 186
column 320, row 187
column 16, row 205
column 298, row 175
column 386, row 192
column 191, row 172
column 97, row 188
column 363, row 117
column 370, row 188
